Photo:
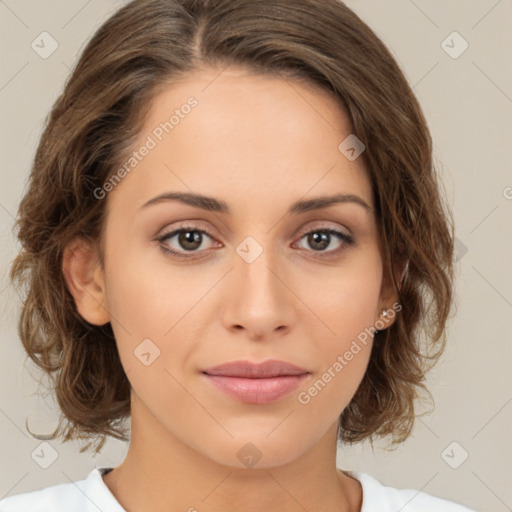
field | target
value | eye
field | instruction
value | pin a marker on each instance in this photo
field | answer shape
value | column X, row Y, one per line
column 188, row 239
column 321, row 239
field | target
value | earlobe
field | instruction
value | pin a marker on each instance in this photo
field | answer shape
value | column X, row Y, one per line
column 85, row 280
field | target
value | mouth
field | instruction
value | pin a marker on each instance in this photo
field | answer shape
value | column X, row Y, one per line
column 256, row 383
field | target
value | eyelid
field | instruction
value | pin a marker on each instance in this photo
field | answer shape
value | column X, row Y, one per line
column 320, row 227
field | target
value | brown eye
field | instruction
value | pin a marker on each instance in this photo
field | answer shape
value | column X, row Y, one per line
column 186, row 239
column 319, row 240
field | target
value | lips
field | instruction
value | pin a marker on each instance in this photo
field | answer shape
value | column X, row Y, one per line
column 246, row 369
column 256, row 383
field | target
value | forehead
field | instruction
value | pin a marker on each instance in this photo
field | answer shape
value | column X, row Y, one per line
column 231, row 133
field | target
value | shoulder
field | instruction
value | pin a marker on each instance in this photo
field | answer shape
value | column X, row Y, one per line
column 377, row 497
column 86, row 495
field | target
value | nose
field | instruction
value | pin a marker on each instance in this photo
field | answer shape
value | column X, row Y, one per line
column 259, row 300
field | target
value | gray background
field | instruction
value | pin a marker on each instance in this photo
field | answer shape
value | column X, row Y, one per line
column 468, row 103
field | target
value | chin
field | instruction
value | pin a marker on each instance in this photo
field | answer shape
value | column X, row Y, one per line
column 254, row 455
column 251, row 448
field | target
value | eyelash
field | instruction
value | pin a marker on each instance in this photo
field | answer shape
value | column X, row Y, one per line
column 347, row 240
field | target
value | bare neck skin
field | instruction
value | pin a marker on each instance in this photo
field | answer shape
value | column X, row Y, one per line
column 160, row 473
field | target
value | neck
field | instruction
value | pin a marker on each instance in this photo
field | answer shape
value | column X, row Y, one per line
column 161, row 473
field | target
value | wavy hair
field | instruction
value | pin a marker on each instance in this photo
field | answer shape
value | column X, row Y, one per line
column 95, row 121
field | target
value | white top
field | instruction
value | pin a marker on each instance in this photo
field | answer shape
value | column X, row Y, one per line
column 92, row 495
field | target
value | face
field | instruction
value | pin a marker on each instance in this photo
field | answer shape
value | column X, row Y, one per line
column 192, row 285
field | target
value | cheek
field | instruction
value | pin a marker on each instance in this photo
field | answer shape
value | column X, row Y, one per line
column 346, row 305
column 342, row 361
column 155, row 310
column 347, row 297
column 139, row 297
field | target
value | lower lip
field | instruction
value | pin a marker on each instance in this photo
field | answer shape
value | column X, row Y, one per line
column 257, row 391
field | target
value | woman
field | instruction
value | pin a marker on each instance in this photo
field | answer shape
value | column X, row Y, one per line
column 234, row 236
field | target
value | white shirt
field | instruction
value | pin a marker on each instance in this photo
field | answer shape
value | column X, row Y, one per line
column 92, row 495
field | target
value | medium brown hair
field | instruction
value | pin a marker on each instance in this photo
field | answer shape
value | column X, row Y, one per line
column 94, row 123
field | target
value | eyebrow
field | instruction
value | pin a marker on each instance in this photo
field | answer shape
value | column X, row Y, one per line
column 215, row 205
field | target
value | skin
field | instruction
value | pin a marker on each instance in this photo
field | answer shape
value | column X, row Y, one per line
column 259, row 144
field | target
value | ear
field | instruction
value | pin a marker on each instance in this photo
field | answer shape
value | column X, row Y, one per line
column 85, row 279
column 389, row 299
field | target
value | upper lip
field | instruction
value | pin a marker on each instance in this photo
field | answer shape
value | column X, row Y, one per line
column 248, row 369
